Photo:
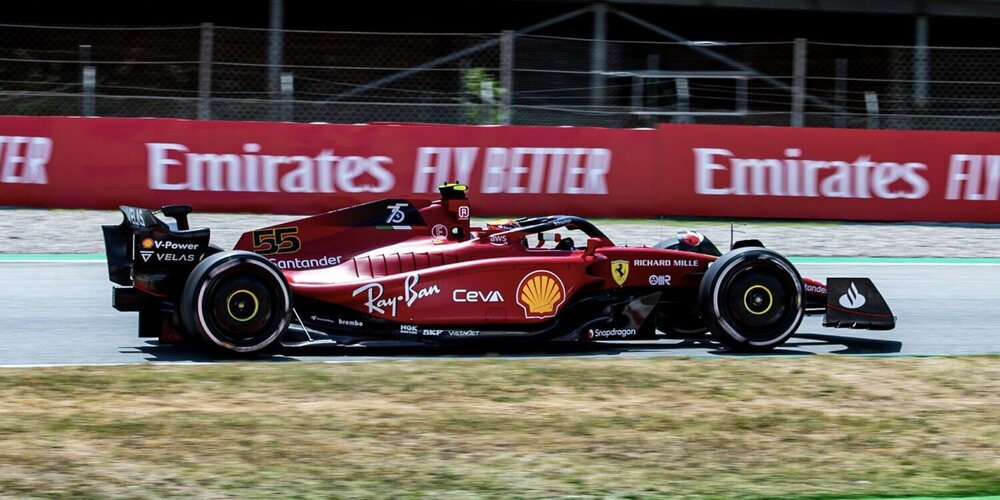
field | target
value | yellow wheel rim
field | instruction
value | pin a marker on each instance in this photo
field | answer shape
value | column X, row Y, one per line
column 256, row 305
column 770, row 300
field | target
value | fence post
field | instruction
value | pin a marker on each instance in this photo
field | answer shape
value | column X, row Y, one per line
column 637, row 97
column 506, row 76
column 287, row 94
column 88, row 81
column 275, row 51
column 871, row 106
column 683, row 100
column 652, row 64
column 742, row 96
column 920, row 63
column 839, row 92
column 798, row 82
column 205, row 73
column 598, row 54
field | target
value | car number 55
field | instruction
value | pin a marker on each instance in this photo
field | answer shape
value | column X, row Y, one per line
column 276, row 241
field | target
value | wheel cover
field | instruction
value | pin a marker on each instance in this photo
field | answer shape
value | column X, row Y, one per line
column 242, row 307
column 759, row 302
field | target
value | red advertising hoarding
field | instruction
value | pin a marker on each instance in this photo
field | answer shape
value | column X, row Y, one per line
column 843, row 174
column 696, row 170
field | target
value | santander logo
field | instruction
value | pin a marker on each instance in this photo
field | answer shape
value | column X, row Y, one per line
column 852, row 299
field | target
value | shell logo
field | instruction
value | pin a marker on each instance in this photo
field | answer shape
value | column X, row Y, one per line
column 540, row 294
column 147, row 243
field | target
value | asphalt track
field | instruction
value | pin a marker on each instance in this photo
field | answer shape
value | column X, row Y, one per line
column 56, row 312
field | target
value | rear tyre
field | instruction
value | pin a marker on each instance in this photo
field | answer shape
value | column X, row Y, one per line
column 237, row 302
column 752, row 299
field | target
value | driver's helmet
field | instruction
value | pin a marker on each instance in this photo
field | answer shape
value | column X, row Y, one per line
column 502, row 225
column 690, row 238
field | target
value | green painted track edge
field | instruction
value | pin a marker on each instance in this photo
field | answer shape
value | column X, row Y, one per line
column 895, row 260
column 55, row 257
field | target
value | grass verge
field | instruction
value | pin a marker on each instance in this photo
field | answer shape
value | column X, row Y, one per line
column 815, row 427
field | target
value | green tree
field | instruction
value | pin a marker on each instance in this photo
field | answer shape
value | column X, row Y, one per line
column 484, row 97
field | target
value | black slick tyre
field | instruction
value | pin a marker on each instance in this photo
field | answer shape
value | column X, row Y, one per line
column 752, row 299
column 237, row 302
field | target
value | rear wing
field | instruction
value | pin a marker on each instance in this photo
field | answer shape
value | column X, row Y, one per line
column 856, row 303
column 152, row 254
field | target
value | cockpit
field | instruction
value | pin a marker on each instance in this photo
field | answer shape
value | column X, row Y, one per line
column 553, row 232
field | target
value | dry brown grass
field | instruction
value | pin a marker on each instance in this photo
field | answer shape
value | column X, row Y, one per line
column 758, row 427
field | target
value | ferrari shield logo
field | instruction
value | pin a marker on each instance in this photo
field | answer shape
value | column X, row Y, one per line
column 619, row 271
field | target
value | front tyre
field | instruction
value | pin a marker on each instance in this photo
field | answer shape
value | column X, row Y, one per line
column 237, row 302
column 752, row 299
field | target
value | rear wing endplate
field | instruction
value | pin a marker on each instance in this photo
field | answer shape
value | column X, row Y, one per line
column 165, row 246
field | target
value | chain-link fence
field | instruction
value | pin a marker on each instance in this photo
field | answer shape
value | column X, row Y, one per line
column 209, row 72
column 903, row 87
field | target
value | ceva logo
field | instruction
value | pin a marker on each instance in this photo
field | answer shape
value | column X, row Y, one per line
column 463, row 295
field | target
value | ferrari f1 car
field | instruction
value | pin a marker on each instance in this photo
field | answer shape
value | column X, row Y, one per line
column 401, row 272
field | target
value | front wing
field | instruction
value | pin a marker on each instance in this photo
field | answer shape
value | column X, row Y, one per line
column 856, row 303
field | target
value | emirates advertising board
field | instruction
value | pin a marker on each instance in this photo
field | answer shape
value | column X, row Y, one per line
column 680, row 170
column 841, row 174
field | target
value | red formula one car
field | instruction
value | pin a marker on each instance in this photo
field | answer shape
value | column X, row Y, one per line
column 399, row 272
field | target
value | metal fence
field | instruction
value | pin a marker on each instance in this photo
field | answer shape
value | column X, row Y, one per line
column 523, row 78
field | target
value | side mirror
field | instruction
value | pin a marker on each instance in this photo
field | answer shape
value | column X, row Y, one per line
column 592, row 244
